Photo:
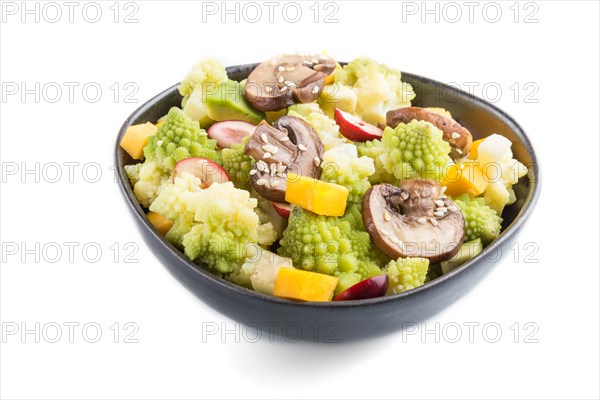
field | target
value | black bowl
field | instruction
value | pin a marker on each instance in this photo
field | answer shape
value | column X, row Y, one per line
column 335, row 321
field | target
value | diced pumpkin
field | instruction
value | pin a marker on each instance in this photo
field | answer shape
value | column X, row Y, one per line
column 136, row 137
column 329, row 78
column 302, row 285
column 320, row 197
column 159, row 222
column 464, row 178
column 473, row 153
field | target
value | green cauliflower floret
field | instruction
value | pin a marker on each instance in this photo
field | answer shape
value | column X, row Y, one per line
column 342, row 165
column 373, row 149
column 133, row 172
column 151, row 178
column 378, row 89
column 413, row 150
column 331, row 245
column 206, row 70
column 216, row 225
column 325, row 127
column 238, row 165
column 481, row 221
column 203, row 78
column 406, row 273
column 179, row 138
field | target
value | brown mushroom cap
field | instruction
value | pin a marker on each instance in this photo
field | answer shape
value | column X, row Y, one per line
column 291, row 145
column 287, row 79
column 459, row 137
column 413, row 220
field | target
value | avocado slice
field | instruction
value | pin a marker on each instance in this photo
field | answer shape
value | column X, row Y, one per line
column 226, row 102
column 467, row 251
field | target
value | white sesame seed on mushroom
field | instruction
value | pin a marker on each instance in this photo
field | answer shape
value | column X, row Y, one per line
column 283, row 89
column 284, row 139
column 433, row 221
column 315, row 90
column 281, row 79
column 261, row 182
column 439, row 214
column 439, row 203
column 290, row 83
column 267, row 155
column 384, row 232
column 317, row 161
column 422, row 220
column 387, row 216
column 274, row 183
column 264, row 138
column 302, row 147
column 290, row 69
column 281, row 68
column 252, row 172
column 442, row 209
column 455, row 135
column 273, row 62
column 443, row 189
column 268, row 89
column 459, row 151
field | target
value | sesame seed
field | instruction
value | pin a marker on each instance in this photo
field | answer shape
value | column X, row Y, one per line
column 421, row 220
column 433, row 221
column 452, row 208
column 284, row 139
column 283, row 89
column 289, row 69
column 442, row 209
column 268, row 89
column 261, row 182
column 440, row 203
column 269, row 148
column 314, row 61
column 253, row 172
column 315, row 90
column 274, row 183
column 307, row 62
column 383, row 232
column 387, row 216
column 317, row 161
column 394, row 239
column 438, row 214
column 290, row 83
column 273, row 62
column 459, row 151
column 273, row 170
column 267, row 155
column 443, row 189
column 404, row 195
column 455, row 135
column 302, row 147
column 264, row 138
column 281, row 68
column 281, row 79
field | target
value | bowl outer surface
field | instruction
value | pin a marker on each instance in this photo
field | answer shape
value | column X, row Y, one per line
column 342, row 321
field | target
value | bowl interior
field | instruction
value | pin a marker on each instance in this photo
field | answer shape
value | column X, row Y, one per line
column 480, row 117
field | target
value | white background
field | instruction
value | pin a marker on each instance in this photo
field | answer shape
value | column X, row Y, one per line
column 558, row 295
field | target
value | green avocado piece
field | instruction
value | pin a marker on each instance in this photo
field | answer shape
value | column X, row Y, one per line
column 467, row 251
column 226, row 102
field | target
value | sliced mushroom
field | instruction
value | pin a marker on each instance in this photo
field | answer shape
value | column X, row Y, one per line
column 287, row 79
column 413, row 220
column 455, row 134
column 291, row 144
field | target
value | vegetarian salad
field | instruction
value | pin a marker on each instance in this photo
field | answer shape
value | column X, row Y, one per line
column 316, row 182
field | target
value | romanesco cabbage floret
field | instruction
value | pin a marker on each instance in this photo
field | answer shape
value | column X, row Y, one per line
column 331, row 245
column 342, row 165
column 208, row 70
column 413, row 150
column 151, row 178
column 238, row 165
column 406, row 273
column 179, row 138
column 133, row 172
column 202, row 79
column 373, row 149
column 216, row 225
column 481, row 221
column 378, row 88
column 325, row 127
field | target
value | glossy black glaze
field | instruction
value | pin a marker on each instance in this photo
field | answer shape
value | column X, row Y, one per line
column 337, row 321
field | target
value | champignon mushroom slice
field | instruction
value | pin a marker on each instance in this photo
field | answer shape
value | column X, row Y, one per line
column 287, row 79
column 408, row 221
column 455, row 134
column 291, row 145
